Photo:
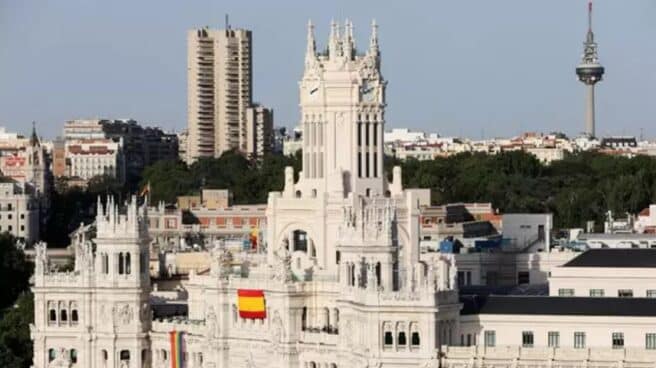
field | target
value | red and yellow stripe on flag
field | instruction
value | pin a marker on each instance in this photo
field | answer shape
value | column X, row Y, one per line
column 176, row 349
column 251, row 304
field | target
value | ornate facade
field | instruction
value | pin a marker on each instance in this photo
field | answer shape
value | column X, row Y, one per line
column 341, row 283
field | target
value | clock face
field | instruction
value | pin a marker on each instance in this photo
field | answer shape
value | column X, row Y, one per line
column 367, row 92
column 313, row 90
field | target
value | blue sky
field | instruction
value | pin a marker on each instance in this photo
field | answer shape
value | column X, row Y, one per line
column 471, row 67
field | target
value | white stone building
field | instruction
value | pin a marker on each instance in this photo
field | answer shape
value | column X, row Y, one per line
column 342, row 282
column 95, row 157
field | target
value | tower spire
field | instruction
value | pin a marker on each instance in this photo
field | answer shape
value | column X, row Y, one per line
column 333, row 39
column 311, row 44
column 34, row 139
column 349, row 40
column 373, row 42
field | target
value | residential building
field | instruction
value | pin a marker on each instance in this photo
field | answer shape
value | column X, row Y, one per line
column 87, row 158
column 259, row 130
column 221, row 115
column 607, row 273
column 19, row 211
column 140, row 146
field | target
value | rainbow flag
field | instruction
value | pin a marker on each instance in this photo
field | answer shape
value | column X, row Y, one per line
column 251, row 304
column 176, row 349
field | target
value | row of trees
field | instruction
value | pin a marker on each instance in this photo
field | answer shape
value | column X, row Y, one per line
column 16, row 305
column 579, row 188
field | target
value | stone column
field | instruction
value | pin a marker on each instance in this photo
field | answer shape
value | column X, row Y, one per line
column 379, row 148
column 362, row 150
column 372, row 149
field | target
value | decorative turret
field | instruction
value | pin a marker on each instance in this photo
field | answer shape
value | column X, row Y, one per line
column 111, row 223
column 373, row 41
column 334, row 47
column 349, row 40
column 310, row 52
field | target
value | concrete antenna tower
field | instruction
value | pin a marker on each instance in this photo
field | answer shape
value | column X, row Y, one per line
column 589, row 71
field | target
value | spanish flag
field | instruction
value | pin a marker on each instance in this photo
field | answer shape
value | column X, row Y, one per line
column 176, row 349
column 251, row 304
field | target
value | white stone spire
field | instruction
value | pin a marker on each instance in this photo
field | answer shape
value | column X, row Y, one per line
column 310, row 52
column 349, row 40
column 373, row 41
column 333, row 40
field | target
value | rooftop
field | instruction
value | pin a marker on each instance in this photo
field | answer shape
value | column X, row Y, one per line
column 556, row 305
column 615, row 258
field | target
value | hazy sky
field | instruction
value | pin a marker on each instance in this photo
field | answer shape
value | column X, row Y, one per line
column 473, row 68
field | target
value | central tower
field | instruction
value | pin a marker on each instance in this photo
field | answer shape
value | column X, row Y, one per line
column 342, row 100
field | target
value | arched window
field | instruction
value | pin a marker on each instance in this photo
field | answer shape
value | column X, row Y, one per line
column 402, row 338
column 51, row 355
column 52, row 316
column 120, row 263
column 73, row 356
column 104, row 355
column 298, row 194
column 165, row 354
column 378, row 273
column 300, row 241
column 74, row 316
column 125, row 355
column 326, row 316
column 336, row 321
column 128, row 264
column 304, row 319
column 63, row 315
column 389, row 338
column 414, row 339
column 144, row 356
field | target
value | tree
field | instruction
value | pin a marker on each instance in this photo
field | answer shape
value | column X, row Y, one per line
column 16, row 348
column 15, row 271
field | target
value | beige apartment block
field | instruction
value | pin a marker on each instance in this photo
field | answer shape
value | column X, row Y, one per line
column 219, row 93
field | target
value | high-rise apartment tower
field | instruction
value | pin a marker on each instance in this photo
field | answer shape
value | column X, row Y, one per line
column 219, row 91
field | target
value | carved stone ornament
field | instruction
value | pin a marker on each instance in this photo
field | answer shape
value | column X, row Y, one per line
column 282, row 269
column 62, row 360
column 123, row 314
column 368, row 68
column 277, row 330
column 210, row 322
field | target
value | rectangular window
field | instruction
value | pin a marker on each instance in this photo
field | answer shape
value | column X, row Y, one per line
column 490, row 338
column 651, row 293
column 596, row 292
column 650, row 341
column 527, row 339
column 625, row 293
column 579, row 340
column 618, row 340
column 523, row 278
column 565, row 292
column 553, row 339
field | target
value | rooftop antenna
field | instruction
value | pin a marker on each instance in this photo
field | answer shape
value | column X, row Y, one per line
column 227, row 22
